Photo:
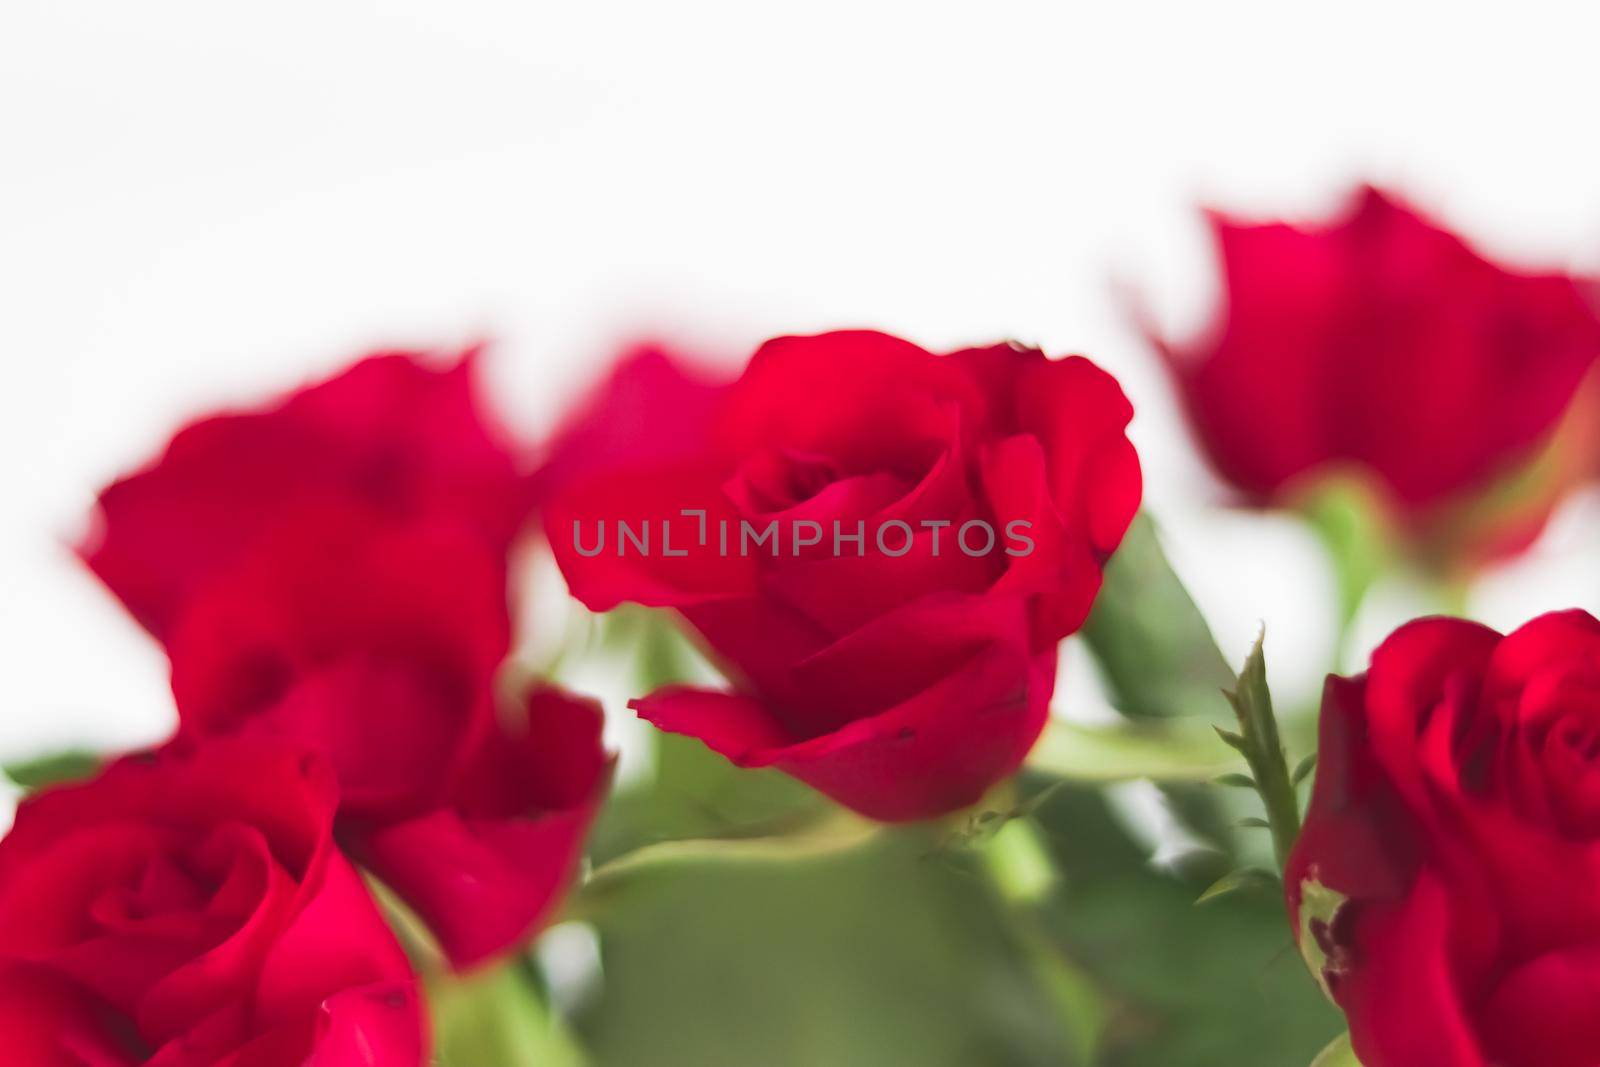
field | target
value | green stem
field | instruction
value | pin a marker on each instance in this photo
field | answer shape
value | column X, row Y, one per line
column 1261, row 745
column 838, row 832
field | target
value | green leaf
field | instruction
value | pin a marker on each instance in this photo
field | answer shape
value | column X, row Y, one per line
column 695, row 794
column 1154, row 649
column 1161, row 666
column 1171, row 750
column 1229, row 738
column 1303, row 769
column 1182, row 986
column 837, row 833
column 1078, row 1003
column 499, row 1018
column 53, row 769
column 1252, row 822
column 875, row 956
column 1234, row 781
column 1019, row 863
column 1338, row 1054
column 1233, row 881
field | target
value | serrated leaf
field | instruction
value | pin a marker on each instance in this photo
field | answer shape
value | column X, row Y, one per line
column 1233, row 881
column 53, row 769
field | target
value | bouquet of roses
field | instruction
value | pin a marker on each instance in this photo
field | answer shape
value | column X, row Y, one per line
column 866, row 828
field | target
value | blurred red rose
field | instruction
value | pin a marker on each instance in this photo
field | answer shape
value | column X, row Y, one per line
column 893, row 641
column 190, row 913
column 335, row 571
column 377, row 643
column 393, row 432
column 1444, row 883
column 1385, row 346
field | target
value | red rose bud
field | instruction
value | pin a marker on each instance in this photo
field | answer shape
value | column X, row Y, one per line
column 392, row 433
column 1443, row 886
column 190, row 913
column 882, row 547
column 1384, row 346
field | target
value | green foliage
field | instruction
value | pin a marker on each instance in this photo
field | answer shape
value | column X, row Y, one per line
column 743, row 920
column 1303, row 769
column 645, row 865
column 884, row 955
column 497, row 1019
column 1349, row 517
column 1183, row 986
column 1244, row 878
column 696, row 794
column 918, row 946
column 1162, row 667
column 1338, row 1054
column 1165, row 750
column 1259, row 743
column 1153, row 647
column 53, row 769
column 693, row 793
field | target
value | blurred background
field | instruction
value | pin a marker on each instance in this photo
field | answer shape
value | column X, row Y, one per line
column 202, row 205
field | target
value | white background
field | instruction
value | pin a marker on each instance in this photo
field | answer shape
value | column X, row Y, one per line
column 203, row 203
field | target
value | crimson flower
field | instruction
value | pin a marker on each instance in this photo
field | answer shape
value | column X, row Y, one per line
column 881, row 546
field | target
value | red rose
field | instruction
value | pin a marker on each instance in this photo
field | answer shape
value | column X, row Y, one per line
column 1444, row 883
column 392, row 433
column 334, row 571
column 1384, row 344
column 885, row 550
column 191, row 913
column 377, row 644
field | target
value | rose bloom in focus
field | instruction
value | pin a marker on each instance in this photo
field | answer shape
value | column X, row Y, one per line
column 1383, row 346
column 192, row 913
column 902, row 677
column 333, row 570
column 1444, row 884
